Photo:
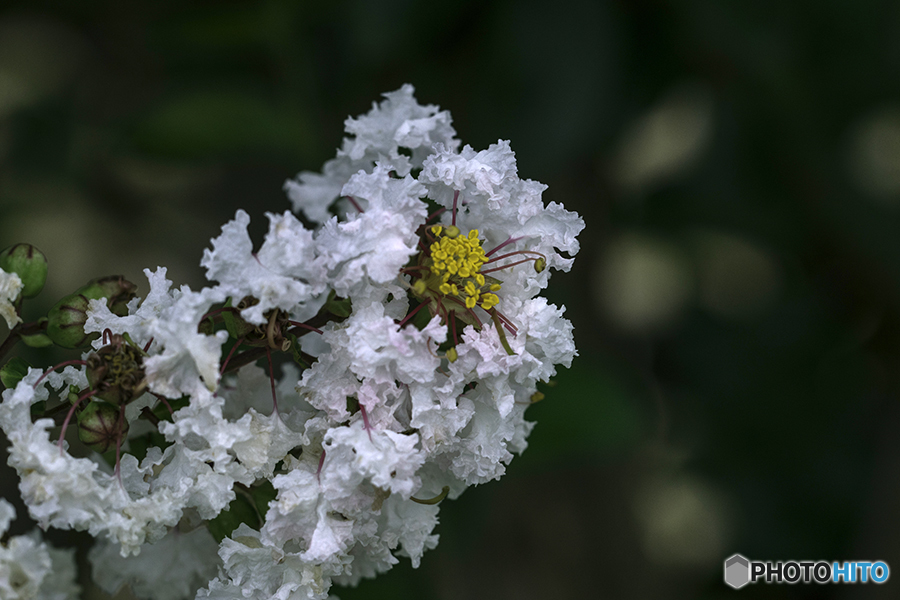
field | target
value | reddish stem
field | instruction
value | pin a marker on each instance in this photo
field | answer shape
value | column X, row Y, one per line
column 354, row 203
column 305, row 326
column 436, row 213
column 62, row 364
column 272, row 381
column 515, row 253
column 468, row 310
column 508, row 266
column 230, row 353
column 321, row 462
column 508, row 241
column 411, row 314
column 365, row 416
column 119, row 445
column 506, row 322
column 455, row 198
column 164, row 401
column 65, row 425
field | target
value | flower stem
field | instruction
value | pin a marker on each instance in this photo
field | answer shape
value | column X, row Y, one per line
column 65, row 425
column 436, row 499
column 16, row 333
column 499, row 328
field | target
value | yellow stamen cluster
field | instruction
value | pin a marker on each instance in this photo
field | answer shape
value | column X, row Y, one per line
column 457, row 260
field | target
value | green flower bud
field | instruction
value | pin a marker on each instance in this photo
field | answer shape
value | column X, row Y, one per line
column 116, row 289
column 29, row 264
column 99, row 426
column 65, row 322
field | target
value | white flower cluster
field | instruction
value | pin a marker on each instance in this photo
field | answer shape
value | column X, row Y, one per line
column 418, row 338
column 30, row 569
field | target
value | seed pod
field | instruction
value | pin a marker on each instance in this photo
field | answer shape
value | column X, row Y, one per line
column 99, row 427
column 29, row 264
column 116, row 371
column 65, row 322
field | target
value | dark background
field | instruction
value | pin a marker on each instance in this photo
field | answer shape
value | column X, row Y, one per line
column 735, row 300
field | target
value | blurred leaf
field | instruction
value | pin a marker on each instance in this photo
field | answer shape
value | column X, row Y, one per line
column 203, row 124
column 38, row 340
column 13, row 371
column 241, row 510
column 589, row 411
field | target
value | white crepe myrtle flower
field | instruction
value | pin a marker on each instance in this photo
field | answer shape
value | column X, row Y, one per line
column 182, row 360
column 414, row 337
column 482, row 192
column 385, row 459
column 175, row 567
column 10, row 287
column 373, row 244
column 137, row 506
column 399, row 122
column 197, row 472
column 30, row 569
column 256, row 570
column 285, row 273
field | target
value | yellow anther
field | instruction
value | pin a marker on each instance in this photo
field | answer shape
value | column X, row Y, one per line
column 488, row 301
column 451, row 354
column 457, row 259
column 419, row 287
column 540, row 264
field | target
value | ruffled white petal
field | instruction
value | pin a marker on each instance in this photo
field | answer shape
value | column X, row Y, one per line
column 10, row 286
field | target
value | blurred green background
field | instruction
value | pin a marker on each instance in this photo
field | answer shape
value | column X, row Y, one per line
column 736, row 300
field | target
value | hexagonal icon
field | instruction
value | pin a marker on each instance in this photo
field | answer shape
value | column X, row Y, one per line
column 737, row 571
